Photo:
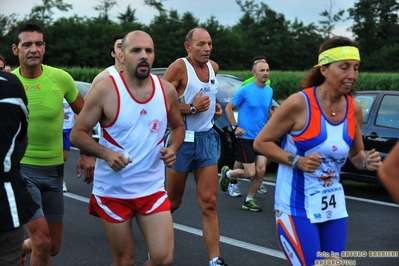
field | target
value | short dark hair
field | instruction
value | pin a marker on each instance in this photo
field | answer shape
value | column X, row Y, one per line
column 256, row 58
column 31, row 27
column 114, row 39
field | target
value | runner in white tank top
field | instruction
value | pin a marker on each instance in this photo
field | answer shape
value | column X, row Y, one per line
column 138, row 130
column 319, row 128
column 196, row 84
column 134, row 108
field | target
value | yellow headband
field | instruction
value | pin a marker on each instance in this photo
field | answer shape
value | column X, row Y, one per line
column 338, row 54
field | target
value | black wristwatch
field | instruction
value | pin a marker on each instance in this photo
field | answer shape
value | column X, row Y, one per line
column 193, row 110
column 234, row 127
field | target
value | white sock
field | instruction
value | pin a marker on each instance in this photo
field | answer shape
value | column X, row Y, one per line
column 248, row 199
column 228, row 174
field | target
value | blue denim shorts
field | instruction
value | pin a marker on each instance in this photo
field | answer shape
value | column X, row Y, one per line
column 204, row 151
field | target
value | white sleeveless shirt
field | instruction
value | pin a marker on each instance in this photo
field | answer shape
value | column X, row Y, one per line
column 319, row 195
column 203, row 121
column 112, row 71
column 138, row 129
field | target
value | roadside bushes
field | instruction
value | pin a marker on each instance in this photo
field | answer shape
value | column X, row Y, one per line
column 284, row 83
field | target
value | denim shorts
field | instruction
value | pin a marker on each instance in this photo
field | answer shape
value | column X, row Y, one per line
column 204, row 151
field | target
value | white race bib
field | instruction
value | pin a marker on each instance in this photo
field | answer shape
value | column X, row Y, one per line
column 189, row 136
column 326, row 203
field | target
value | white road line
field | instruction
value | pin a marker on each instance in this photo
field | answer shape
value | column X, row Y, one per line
column 194, row 231
column 77, row 197
column 233, row 242
column 347, row 197
column 373, row 201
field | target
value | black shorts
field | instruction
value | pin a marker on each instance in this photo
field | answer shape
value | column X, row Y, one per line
column 245, row 152
column 10, row 246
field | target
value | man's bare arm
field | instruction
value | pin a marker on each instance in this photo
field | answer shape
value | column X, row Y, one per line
column 89, row 116
column 175, row 74
column 389, row 173
column 175, row 122
column 100, row 76
column 77, row 105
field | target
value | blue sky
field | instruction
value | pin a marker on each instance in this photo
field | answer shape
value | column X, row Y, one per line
column 227, row 12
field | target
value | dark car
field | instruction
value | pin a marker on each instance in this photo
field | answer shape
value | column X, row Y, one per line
column 228, row 85
column 380, row 129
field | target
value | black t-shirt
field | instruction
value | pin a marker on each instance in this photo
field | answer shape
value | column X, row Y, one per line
column 16, row 204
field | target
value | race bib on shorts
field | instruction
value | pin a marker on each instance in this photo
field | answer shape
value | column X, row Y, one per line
column 189, row 136
column 326, row 203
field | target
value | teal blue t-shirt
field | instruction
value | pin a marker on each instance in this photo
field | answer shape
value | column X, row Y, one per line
column 253, row 113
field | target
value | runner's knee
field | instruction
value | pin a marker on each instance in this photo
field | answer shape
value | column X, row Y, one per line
column 208, row 203
column 162, row 258
column 42, row 246
column 174, row 204
column 249, row 172
column 55, row 249
column 261, row 169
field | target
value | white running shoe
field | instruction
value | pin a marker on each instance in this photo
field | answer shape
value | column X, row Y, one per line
column 234, row 191
column 262, row 189
column 64, row 188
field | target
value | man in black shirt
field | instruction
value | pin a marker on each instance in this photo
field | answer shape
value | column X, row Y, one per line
column 16, row 204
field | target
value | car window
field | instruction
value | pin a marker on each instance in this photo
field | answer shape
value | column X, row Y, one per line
column 366, row 101
column 388, row 113
column 227, row 87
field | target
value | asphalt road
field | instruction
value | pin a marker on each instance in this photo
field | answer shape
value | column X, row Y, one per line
column 246, row 238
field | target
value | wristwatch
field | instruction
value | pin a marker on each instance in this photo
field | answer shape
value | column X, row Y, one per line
column 193, row 110
column 234, row 127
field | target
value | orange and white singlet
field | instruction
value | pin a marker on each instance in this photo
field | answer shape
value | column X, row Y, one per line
column 138, row 129
column 319, row 196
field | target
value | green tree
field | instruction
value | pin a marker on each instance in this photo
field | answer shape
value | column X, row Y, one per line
column 376, row 25
column 265, row 32
column 157, row 5
column 104, row 7
column 303, row 49
column 330, row 20
column 128, row 16
column 225, row 44
column 168, row 32
column 44, row 12
column 6, row 23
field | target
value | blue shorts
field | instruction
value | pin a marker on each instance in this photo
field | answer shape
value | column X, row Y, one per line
column 45, row 185
column 303, row 242
column 65, row 139
column 204, row 151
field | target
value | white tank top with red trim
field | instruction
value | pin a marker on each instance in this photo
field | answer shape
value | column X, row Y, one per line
column 138, row 130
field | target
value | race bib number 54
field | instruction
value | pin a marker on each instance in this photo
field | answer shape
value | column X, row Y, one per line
column 327, row 203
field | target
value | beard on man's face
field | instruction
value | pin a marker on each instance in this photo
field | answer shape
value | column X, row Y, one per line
column 142, row 74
